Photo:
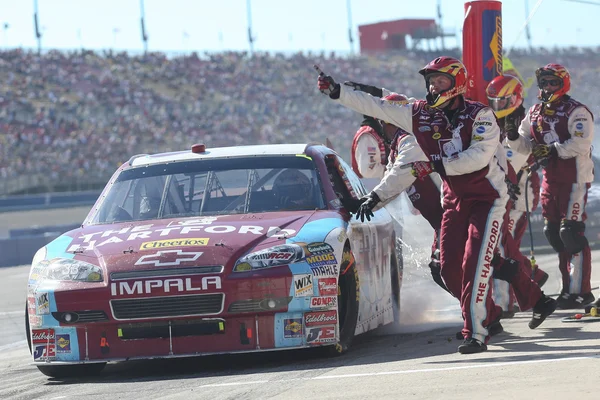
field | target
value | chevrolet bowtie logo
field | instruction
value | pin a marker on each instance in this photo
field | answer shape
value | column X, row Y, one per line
column 181, row 256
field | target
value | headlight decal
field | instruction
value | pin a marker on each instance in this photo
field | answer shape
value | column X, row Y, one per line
column 58, row 248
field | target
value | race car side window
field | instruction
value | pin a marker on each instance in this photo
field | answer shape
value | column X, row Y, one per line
column 339, row 180
column 353, row 179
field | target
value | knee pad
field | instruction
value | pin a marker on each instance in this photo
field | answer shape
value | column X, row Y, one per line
column 507, row 270
column 435, row 268
column 552, row 232
column 572, row 235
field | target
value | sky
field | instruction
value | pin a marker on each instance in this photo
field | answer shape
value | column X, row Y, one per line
column 181, row 26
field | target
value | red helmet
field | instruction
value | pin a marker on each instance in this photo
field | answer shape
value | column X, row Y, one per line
column 505, row 94
column 557, row 71
column 455, row 70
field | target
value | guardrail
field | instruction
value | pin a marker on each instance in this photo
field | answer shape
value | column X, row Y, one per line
column 48, row 200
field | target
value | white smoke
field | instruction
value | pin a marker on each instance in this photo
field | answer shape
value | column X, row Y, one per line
column 424, row 305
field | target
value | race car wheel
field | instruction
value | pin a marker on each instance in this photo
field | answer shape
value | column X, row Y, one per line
column 71, row 371
column 348, row 301
column 27, row 331
column 396, row 278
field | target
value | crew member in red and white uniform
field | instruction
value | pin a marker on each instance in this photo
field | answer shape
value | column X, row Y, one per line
column 370, row 149
column 559, row 133
column 505, row 96
column 475, row 193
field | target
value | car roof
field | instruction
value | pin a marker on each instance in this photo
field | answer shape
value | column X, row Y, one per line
column 219, row 152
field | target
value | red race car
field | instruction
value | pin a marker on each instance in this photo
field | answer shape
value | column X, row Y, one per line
column 207, row 251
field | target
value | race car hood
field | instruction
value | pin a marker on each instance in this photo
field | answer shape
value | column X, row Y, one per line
column 208, row 241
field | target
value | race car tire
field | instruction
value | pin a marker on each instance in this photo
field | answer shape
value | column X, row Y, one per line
column 348, row 301
column 71, row 371
column 396, row 278
column 27, row 330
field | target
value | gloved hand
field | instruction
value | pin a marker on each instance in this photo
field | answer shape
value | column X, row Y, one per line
column 328, row 86
column 420, row 169
column 511, row 127
column 513, row 189
column 372, row 90
column 543, row 152
column 366, row 208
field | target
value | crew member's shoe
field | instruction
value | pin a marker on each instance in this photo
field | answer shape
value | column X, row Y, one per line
column 567, row 301
column 540, row 277
column 471, row 346
column 542, row 309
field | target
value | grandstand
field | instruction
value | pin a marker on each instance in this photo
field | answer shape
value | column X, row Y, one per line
column 67, row 120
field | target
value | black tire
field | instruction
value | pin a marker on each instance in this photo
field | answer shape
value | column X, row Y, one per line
column 348, row 301
column 27, row 330
column 396, row 280
column 71, row 371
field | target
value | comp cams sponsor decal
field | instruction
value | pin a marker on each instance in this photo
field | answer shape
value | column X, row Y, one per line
column 323, row 302
column 180, row 257
column 169, row 285
column 303, row 285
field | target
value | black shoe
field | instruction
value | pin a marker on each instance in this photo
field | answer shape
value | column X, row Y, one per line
column 495, row 328
column 459, row 336
column 542, row 309
column 542, row 279
column 567, row 301
column 471, row 346
column 508, row 314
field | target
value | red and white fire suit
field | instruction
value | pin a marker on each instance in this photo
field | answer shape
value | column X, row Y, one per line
column 475, row 194
column 568, row 125
column 369, row 155
column 425, row 195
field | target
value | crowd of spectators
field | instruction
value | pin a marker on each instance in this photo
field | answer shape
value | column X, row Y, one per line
column 79, row 115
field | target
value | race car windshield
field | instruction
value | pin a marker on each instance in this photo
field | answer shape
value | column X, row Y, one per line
column 212, row 187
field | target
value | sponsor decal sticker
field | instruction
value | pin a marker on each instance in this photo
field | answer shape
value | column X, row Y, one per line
column 578, row 134
column 324, row 270
column 477, row 138
column 509, row 153
column 159, row 244
column 42, row 304
column 424, row 128
column 323, row 302
column 437, row 135
column 40, row 336
column 319, row 335
column 317, row 248
column 303, row 285
column 328, row 287
column 320, row 318
column 321, row 259
column 47, row 352
column 63, row 343
column 480, row 129
column 579, row 126
column 293, row 328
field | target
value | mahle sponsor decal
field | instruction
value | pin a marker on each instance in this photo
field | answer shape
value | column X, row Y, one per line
column 170, row 285
column 161, row 244
column 324, row 270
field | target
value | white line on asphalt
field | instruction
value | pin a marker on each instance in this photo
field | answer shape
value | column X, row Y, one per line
column 412, row 371
column 12, row 345
column 8, row 313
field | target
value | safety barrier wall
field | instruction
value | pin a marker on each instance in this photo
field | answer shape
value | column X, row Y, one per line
column 20, row 250
column 47, row 200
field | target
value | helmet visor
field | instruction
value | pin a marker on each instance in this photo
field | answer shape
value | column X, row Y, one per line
column 500, row 103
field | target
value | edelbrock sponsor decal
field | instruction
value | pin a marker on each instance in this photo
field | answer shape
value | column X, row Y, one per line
column 320, row 318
